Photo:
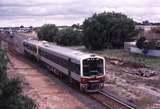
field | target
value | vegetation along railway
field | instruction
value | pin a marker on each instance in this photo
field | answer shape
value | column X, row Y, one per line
column 83, row 69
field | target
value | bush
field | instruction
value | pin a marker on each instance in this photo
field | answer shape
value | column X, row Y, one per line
column 48, row 32
column 11, row 96
column 107, row 30
column 147, row 45
column 140, row 42
column 150, row 45
column 69, row 37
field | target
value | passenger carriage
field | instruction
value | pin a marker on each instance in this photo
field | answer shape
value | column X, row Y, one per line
column 88, row 70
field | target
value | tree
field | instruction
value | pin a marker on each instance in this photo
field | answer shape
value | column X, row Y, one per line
column 146, row 45
column 140, row 42
column 77, row 26
column 31, row 27
column 21, row 26
column 69, row 36
column 48, row 32
column 107, row 30
column 11, row 96
column 146, row 22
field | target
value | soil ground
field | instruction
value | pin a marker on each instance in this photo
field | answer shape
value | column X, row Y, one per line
column 141, row 91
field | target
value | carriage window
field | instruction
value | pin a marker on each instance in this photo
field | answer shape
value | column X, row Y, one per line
column 93, row 67
column 76, row 68
column 63, row 62
column 30, row 46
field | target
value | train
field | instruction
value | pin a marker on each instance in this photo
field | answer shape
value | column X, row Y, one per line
column 83, row 69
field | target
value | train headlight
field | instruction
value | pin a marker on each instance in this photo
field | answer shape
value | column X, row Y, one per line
column 84, row 86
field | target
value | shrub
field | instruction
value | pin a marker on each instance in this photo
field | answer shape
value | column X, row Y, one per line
column 107, row 30
column 69, row 36
column 11, row 96
column 48, row 32
column 147, row 45
column 140, row 42
column 3, row 60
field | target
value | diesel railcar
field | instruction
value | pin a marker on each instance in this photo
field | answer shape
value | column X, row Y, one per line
column 88, row 70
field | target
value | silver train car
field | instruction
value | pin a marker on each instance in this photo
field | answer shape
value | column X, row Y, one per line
column 86, row 70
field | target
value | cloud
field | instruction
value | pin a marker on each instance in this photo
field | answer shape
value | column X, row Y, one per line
column 67, row 12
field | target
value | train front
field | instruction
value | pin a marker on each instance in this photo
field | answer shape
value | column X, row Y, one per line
column 93, row 73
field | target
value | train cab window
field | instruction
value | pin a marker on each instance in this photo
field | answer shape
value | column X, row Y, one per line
column 92, row 67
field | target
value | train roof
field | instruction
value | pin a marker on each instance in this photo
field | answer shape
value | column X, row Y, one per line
column 76, row 54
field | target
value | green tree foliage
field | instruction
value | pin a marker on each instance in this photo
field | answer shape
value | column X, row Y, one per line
column 146, row 22
column 3, row 60
column 21, row 26
column 48, row 32
column 107, row 30
column 11, row 89
column 147, row 45
column 69, row 36
column 77, row 26
column 140, row 42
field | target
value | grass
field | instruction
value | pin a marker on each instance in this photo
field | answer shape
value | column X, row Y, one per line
column 151, row 62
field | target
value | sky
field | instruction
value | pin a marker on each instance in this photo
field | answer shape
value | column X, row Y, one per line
column 68, row 12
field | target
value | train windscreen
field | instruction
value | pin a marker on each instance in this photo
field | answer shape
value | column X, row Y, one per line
column 92, row 67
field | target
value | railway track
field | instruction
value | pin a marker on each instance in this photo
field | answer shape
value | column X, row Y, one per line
column 112, row 102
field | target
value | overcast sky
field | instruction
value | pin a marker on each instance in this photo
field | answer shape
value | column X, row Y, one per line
column 67, row 12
